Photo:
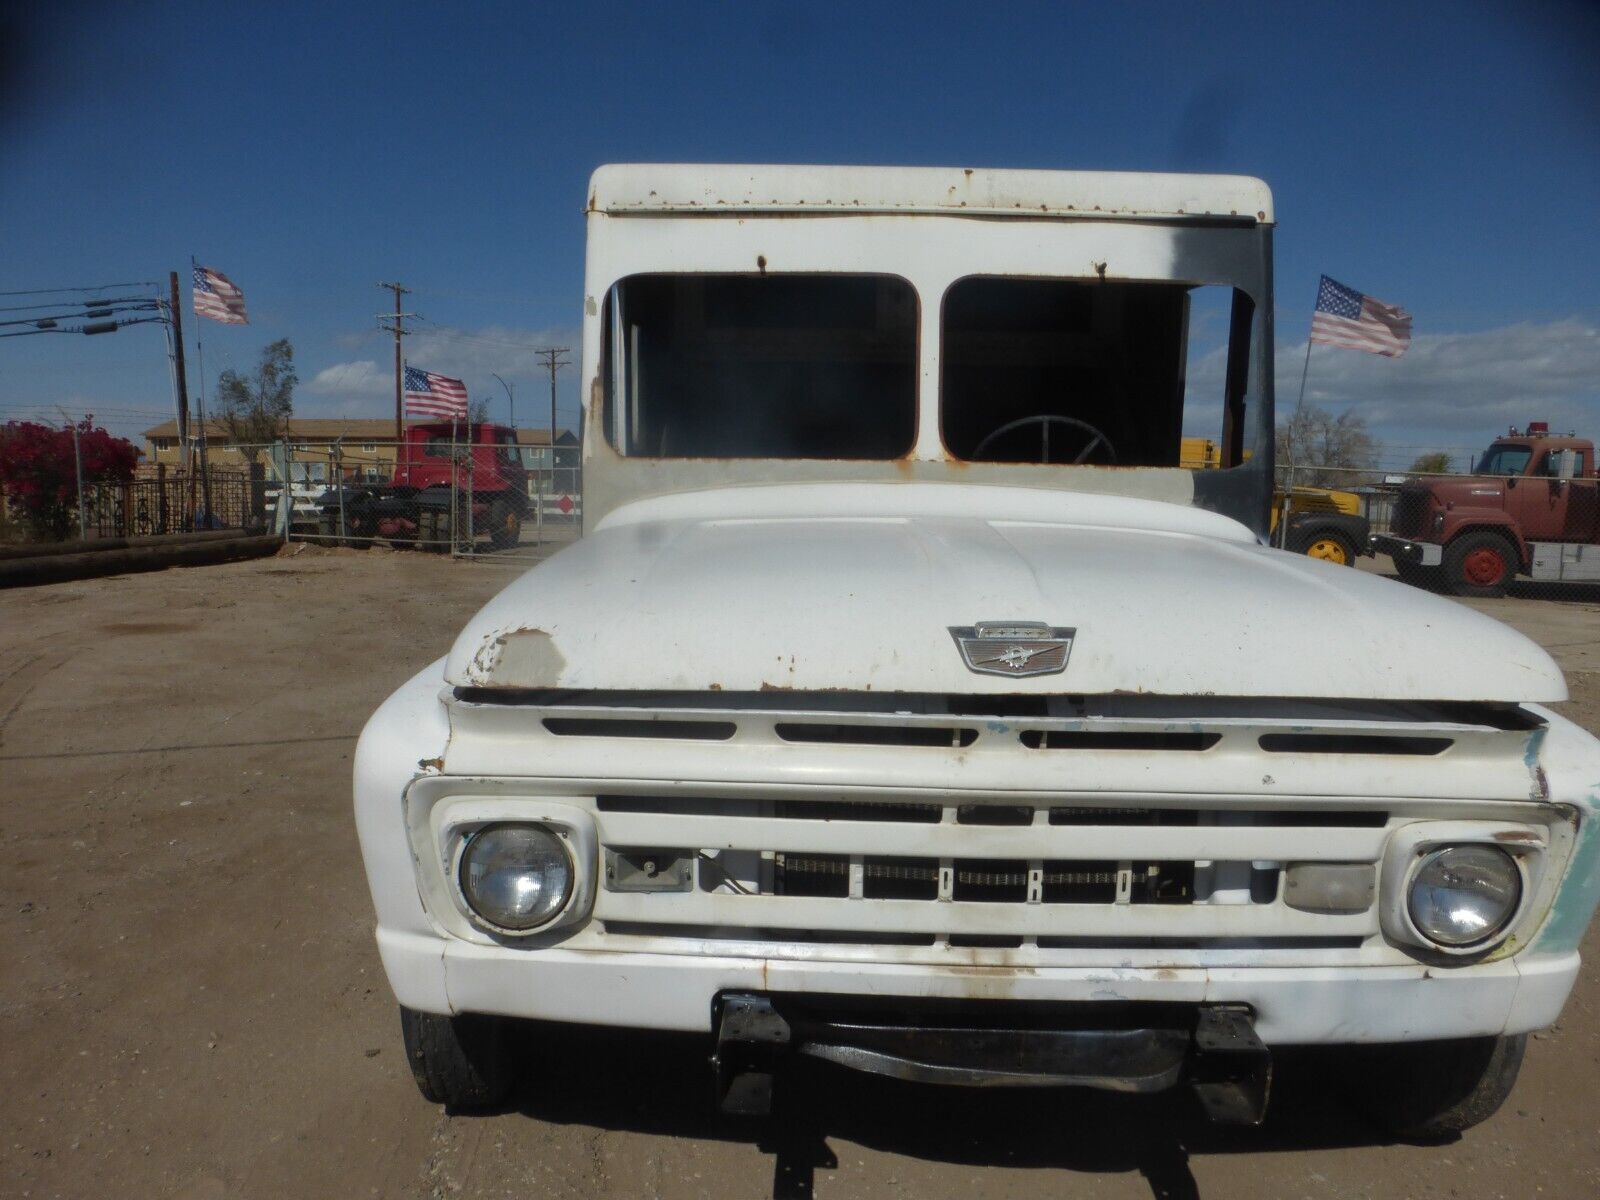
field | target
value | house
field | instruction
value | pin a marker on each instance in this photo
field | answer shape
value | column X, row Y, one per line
column 360, row 447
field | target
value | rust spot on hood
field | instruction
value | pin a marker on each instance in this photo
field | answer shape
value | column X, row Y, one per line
column 517, row 658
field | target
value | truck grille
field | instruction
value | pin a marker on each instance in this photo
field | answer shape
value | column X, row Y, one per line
column 1410, row 514
column 1042, row 829
column 770, row 871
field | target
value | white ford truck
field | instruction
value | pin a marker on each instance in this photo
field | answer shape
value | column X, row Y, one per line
column 907, row 705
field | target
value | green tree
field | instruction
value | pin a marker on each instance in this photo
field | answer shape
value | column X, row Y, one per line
column 255, row 408
column 1436, row 463
column 1325, row 450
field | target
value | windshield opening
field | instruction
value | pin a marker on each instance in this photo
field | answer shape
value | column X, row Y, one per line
column 1096, row 373
column 762, row 366
column 1501, row 459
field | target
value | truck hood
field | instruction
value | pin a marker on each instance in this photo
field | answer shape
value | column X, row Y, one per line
column 856, row 587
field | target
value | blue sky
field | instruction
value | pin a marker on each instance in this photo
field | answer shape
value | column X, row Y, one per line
column 1443, row 157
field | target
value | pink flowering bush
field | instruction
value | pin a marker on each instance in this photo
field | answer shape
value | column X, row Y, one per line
column 38, row 476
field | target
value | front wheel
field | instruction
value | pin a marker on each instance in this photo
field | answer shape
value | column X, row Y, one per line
column 462, row 1062
column 1426, row 1091
column 1331, row 547
column 505, row 525
column 1479, row 564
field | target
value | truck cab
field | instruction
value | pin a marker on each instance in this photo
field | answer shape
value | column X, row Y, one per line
column 435, row 454
column 452, row 484
column 910, row 704
column 1531, row 506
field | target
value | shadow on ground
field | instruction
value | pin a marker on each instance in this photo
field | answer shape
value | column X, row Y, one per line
column 661, row 1084
column 1561, row 593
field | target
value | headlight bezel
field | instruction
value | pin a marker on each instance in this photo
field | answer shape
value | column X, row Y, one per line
column 1433, row 856
column 443, row 812
column 1528, row 846
column 467, row 838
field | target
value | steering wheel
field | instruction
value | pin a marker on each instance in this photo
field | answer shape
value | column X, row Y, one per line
column 1044, row 421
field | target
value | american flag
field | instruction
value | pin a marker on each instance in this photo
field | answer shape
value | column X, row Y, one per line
column 430, row 395
column 216, row 296
column 1344, row 317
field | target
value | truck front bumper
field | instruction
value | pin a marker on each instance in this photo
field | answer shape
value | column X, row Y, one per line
column 1122, row 1048
column 1291, row 1005
column 1423, row 554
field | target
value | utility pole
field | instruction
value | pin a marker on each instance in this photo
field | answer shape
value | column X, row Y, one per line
column 175, row 313
column 553, row 362
column 77, row 463
column 399, row 330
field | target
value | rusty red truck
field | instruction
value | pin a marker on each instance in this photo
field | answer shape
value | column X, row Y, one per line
column 1531, row 507
column 469, row 477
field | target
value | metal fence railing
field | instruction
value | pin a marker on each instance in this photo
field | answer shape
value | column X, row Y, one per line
column 172, row 502
column 429, row 492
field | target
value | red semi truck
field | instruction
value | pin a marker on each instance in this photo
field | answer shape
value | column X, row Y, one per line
column 442, row 470
column 1531, row 507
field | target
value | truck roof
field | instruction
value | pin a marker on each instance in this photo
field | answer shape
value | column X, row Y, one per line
column 1555, row 441
column 681, row 187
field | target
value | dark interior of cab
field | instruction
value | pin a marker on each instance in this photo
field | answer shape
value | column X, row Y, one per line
column 1071, row 372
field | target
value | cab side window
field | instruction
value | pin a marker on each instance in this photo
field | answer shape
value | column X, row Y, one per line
column 1551, row 464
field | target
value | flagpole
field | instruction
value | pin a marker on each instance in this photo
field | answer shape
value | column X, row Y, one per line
column 1288, row 489
column 200, row 356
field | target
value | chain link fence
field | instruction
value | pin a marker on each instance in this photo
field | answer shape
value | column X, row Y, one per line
column 432, row 492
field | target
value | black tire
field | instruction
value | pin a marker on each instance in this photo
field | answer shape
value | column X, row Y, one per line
column 462, row 1062
column 505, row 525
column 1428, row 1091
column 359, row 530
column 1468, row 564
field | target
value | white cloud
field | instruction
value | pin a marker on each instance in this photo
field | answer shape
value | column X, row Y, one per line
column 1460, row 385
column 362, row 379
column 1449, row 391
column 475, row 356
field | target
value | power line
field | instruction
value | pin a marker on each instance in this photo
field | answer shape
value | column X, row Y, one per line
column 99, row 287
column 452, row 332
column 96, row 303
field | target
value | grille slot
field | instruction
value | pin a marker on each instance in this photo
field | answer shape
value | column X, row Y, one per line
column 606, row 727
column 900, row 879
column 1123, row 816
column 1065, row 882
column 1276, row 818
column 1113, row 739
column 721, row 933
column 800, row 810
column 991, row 880
column 826, row 875
column 1352, row 743
column 876, row 735
column 845, row 810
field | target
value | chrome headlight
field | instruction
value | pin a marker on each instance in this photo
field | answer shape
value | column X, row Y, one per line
column 516, row 878
column 1462, row 896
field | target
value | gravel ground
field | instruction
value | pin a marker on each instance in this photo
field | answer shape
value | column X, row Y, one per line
column 192, row 1005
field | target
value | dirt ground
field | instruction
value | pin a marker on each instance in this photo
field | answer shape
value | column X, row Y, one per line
column 192, row 1005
